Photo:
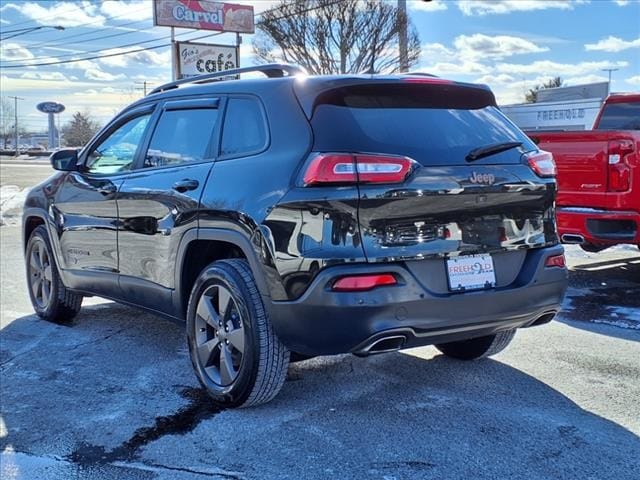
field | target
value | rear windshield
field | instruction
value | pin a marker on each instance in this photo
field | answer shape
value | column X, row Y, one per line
column 620, row 116
column 432, row 129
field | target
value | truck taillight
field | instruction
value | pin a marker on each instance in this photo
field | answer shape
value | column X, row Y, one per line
column 619, row 171
column 346, row 168
column 542, row 163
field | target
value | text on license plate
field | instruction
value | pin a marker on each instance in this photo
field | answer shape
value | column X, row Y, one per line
column 471, row 272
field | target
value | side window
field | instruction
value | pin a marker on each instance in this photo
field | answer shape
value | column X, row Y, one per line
column 244, row 128
column 181, row 136
column 117, row 152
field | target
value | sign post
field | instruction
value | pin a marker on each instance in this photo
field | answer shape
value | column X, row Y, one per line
column 51, row 108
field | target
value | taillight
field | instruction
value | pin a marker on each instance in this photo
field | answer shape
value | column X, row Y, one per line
column 362, row 283
column 619, row 172
column 427, row 79
column 555, row 261
column 542, row 163
column 345, row 168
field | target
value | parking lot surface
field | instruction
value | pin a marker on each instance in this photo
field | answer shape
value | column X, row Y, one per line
column 113, row 396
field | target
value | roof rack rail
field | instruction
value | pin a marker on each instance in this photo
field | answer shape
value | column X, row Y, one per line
column 271, row 70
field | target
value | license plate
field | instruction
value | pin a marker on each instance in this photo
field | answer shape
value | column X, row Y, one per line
column 471, row 272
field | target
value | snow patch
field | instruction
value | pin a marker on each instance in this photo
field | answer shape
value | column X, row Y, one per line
column 12, row 199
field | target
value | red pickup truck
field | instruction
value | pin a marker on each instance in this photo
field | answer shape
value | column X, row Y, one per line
column 598, row 201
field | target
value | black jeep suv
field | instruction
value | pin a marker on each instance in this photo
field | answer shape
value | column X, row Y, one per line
column 298, row 216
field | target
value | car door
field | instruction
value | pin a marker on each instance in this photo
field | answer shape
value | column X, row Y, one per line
column 159, row 201
column 85, row 207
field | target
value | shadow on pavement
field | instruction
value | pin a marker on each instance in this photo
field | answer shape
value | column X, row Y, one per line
column 114, row 391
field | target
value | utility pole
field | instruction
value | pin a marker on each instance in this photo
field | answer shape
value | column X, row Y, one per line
column 609, row 84
column 402, row 34
column 15, row 124
column 144, row 87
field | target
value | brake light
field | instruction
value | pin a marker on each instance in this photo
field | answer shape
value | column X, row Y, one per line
column 425, row 79
column 619, row 172
column 363, row 283
column 344, row 168
column 542, row 163
column 555, row 261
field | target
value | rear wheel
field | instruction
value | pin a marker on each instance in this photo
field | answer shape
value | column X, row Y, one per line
column 236, row 354
column 476, row 348
column 51, row 300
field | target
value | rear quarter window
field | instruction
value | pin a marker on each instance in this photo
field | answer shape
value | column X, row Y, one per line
column 244, row 131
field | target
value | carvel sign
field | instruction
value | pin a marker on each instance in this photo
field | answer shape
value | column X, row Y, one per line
column 204, row 15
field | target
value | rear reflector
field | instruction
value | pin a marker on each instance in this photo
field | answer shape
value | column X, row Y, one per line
column 362, row 283
column 555, row 261
column 542, row 163
column 345, row 168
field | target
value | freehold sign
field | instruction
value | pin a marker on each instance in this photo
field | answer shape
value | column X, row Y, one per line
column 204, row 15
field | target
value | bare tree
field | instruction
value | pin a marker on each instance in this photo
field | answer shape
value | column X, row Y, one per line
column 331, row 36
column 532, row 95
column 80, row 129
column 6, row 121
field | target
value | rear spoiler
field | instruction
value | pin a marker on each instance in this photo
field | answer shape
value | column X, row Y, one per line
column 435, row 92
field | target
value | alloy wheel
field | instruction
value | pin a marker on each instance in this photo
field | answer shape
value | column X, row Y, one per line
column 40, row 274
column 219, row 335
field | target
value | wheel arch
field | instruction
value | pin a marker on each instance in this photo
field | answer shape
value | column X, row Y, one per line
column 205, row 246
column 31, row 218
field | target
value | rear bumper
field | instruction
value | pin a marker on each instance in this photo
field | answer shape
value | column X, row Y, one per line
column 599, row 227
column 322, row 322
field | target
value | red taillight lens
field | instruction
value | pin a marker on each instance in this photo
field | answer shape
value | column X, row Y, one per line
column 427, row 79
column 555, row 261
column 542, row 163
column 362, row 283
column 353, row 168
column 619, row 172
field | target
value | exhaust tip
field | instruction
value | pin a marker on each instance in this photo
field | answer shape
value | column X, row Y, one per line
column 572, row 238
column 388, row 344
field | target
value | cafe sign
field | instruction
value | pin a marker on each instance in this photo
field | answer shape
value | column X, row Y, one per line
column 204, row 15
column 200, row 58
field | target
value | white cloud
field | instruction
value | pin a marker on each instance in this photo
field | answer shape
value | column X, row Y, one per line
column 547, row 67
column 621, row 3
column 44, row 76
column 131, row 10
column 14, row 51
column 502, row 79
column 66, row 14
column 635, row 80
column 427, row 6
column 581, row 80
column 612, row 44
column 479, row 46
column 28, row 85
column 487, row 7
column 145, row 57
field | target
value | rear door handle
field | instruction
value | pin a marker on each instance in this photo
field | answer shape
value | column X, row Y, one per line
column 185, row 185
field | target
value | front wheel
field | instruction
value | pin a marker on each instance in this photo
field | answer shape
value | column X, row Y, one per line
column 236, row 354
column 51, row 300
column 476, row 348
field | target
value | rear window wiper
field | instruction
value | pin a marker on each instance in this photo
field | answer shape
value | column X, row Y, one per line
column 488, row 150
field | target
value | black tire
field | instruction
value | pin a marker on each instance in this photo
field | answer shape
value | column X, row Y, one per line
column 477, row 348
column 51, row 300
column 235, row 372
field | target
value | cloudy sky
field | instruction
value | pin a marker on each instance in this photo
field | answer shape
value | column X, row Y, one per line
column 509, row 44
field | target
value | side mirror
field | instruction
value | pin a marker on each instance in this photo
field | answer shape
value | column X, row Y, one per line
column 65, row 160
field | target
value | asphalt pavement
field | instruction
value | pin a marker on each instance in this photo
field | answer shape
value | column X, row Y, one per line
column 113, row 396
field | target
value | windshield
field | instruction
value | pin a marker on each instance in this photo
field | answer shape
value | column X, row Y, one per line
column 432, row 136
column 620, row 116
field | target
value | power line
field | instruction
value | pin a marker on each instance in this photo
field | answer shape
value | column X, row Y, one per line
column 95, row 57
